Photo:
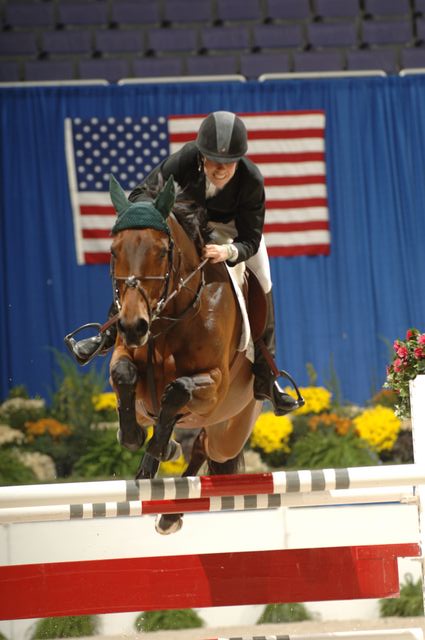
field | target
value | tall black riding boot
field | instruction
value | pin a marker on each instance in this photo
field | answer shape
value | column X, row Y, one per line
column 266, row 386
column 83, row 350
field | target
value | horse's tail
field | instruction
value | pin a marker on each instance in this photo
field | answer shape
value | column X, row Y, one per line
column 234, row 465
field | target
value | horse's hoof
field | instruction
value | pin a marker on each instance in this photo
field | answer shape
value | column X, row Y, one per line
column 168, row 523
column 137, row 444
column 171, row 451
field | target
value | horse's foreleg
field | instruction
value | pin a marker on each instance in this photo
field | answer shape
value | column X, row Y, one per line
column 124, row 378
column 176, row 395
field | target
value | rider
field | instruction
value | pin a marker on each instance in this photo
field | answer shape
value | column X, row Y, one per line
column 215, row 173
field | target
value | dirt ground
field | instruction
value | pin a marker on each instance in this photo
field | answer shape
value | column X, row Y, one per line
column 295, row 628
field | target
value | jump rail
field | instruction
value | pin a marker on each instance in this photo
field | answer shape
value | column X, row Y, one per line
column 278, row 482
column 137, row 508
column 388, row 634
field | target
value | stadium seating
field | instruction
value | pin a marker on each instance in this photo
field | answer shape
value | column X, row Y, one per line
column 292, row 10
column 159, row 38
column 364, row 59
column 336, row 10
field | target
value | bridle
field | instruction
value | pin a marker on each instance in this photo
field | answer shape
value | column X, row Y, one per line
column 135, row 282
column 155, row 312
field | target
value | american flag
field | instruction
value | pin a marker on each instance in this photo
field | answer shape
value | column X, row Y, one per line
column 288, row 148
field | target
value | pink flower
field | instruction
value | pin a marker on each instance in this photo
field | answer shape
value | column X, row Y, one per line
column 409, row 334
column 396, row 345
column 421, row 339
column 397, row 365
column 419, row 352
column 402, row 352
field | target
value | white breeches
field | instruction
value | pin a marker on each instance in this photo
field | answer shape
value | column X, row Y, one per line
column 258, row 263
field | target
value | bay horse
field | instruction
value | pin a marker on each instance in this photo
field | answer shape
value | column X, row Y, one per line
column 176, row 360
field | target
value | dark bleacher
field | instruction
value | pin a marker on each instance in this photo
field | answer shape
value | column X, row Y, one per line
column 114, row 39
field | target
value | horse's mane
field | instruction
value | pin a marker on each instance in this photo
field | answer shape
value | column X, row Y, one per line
column 190, row 215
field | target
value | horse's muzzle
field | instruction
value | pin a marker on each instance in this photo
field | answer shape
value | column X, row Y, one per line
column 134, row 334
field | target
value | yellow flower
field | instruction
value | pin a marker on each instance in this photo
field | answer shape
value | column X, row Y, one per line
column 174, row 467
column 379, row 426
column 271, row 433
column 105, row 401
column 317, row 399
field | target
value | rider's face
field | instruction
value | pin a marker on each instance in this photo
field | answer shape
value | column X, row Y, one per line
column 219, row 173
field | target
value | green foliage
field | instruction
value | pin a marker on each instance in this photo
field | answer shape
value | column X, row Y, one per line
column 173, row 619
column 20, row 391
column 2, row 636
column 72, row 404
column 311, row 374
column 106, row 458
column 410, row 602
column 290, row 612
column 333, row 384
column 12, row 471
column 66, row 627
column 320, row 450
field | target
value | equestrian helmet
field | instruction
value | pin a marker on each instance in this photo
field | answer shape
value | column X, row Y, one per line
column 222, row 137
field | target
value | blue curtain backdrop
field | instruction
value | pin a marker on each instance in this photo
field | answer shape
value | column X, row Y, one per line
column 337, row 312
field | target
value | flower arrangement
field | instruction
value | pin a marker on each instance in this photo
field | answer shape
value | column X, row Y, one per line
column 317, row 399
column 173, row 467
column 105, row 401
column 340, row 424
column 46, row 426
column 379, row 427
column 408, row 362
column 271, row 433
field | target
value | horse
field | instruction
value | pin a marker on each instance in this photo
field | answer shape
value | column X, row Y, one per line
column 176, row 361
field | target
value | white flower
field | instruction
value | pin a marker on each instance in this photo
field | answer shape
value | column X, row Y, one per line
column 8, row 435
column 253, row 462
column 41, row 464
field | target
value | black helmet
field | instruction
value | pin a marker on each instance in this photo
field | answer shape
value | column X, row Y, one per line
column 222, row 137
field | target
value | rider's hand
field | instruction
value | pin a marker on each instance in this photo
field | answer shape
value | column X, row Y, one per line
column 216, row 252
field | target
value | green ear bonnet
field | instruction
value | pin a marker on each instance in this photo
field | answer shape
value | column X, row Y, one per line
column 144, row 214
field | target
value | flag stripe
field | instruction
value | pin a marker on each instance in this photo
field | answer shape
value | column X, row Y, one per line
column 288, row 148
column 261, row 134
column 292, row 180
column 296, row 204
column 96, row 233
column 100, row 210
column 296, row 226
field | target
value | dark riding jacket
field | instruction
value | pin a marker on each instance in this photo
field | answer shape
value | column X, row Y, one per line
column 242, row 199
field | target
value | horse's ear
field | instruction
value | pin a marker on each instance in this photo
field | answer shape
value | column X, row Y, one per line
column 166, row 197
column 118, row 197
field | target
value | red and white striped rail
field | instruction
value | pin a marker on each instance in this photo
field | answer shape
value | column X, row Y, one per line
column 388, row 634
column 135, row 508
column 279, row 482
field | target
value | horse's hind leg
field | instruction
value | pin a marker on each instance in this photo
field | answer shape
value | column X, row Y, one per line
column 171, row 522
column 124, row 379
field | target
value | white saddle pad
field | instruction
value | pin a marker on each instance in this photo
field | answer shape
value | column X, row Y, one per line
column 246, row 343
